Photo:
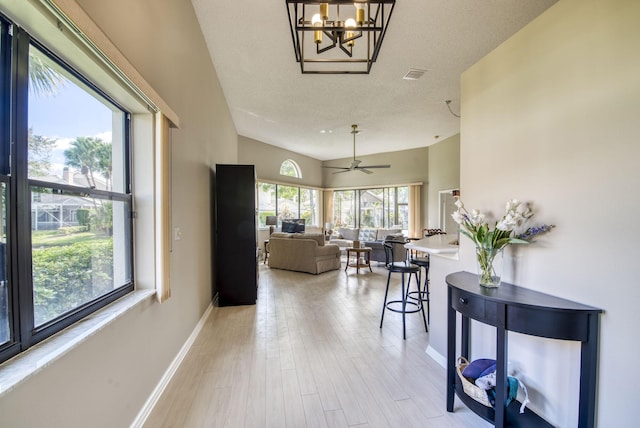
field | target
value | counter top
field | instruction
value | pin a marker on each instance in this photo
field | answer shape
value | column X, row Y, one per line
column 436, row 244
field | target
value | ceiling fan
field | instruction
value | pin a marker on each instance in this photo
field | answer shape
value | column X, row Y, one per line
column 355, row 164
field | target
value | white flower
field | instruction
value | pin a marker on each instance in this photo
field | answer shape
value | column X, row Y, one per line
column 524, row 210
column 457, row 217
column 476, row 218
column 508, row 222
column 503, row 225
column 512, row 205
column 459, row 203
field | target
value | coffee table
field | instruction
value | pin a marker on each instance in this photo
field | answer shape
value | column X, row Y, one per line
column 362, row 258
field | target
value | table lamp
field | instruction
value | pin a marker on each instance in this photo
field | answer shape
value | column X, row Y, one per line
column 328, row 229
column 271, row 221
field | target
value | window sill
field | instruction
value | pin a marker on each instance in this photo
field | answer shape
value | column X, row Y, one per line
column 30, row 362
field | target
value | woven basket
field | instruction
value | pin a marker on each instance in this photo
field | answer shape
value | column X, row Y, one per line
column 470, row 388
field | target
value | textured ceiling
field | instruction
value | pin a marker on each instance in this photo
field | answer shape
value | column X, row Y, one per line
column 273, row 102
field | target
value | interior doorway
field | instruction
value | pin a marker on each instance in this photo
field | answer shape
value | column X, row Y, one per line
column 447, row 207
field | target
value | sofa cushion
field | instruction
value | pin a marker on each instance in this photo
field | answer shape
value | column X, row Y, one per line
column 318, row 237
column 397, row 237
column 383, row 233
column 368, row 235
column 349, row 233
column 283, row 235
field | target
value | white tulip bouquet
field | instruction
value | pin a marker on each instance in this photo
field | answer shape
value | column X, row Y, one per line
column 490, row 242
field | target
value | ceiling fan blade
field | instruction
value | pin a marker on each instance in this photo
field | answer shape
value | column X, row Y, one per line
column 375, row 166
column 355, row 163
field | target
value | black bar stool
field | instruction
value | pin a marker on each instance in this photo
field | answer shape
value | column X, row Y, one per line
column 403, row 268
column 423, row 293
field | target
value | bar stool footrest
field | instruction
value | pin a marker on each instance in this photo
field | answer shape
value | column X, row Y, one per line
column 423, row 296
column 418, row 307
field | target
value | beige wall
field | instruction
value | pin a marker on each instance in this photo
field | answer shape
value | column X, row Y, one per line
column 106, row 380
column 551, row 116
column 268, row 158
column 444, row 174
column 407, row 166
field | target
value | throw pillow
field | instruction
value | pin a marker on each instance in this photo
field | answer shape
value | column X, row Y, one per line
column 349, row 234
column 367, row 235
column 288, row 227
column 382, row 233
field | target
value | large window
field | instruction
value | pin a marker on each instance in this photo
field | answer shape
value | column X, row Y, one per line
column 309, row 206
column 266, row 202
column 5, row 296
column 65, row 246
column 344, row 208
column 372, row 208
column 288, row 202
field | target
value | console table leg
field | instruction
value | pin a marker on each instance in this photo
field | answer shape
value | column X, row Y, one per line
column 451, row 351
column 501, row 377
column 588, row 375
column 466, row 330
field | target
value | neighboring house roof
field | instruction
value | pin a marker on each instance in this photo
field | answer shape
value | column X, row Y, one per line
column 74, row 178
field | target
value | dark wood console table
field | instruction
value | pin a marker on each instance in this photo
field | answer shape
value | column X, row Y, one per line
column 513, row 308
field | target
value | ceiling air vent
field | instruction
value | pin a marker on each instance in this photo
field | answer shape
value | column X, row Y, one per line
column 414, row 74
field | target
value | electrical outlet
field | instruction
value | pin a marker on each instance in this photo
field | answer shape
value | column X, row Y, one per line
column 177, row 234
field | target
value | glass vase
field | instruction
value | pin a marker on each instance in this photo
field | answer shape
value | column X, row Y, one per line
column 489, row 261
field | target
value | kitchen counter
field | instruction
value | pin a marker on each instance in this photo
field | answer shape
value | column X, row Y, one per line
column 436, row 244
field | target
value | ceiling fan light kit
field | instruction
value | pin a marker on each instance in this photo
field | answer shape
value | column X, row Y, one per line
column 338, row 36
column 355, row 164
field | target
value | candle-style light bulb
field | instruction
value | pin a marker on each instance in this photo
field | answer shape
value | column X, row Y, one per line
column 359, row 13
column 324, row 11
column 350, row 23
column 316, row 21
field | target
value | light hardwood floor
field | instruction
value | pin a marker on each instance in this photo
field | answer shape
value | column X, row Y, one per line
column 310, row 353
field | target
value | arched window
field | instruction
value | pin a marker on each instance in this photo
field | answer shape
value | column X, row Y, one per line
column 290, row 169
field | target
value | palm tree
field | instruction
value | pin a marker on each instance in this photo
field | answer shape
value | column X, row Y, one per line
column 39, row 154
column 43, row 79
column 92, row 156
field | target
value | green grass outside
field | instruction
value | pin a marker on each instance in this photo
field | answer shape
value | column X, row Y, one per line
column 52, row 238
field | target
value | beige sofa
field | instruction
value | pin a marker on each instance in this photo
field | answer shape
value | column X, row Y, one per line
column 372, row 238
column 344, row 236
column 302, row 252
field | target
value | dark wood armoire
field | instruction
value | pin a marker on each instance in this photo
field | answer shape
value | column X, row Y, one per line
column 236, row 249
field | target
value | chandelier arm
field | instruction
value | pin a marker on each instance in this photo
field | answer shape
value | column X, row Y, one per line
column 348, row 52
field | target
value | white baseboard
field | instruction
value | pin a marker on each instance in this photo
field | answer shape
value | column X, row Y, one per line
column 171, row 370
column 437, row 356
